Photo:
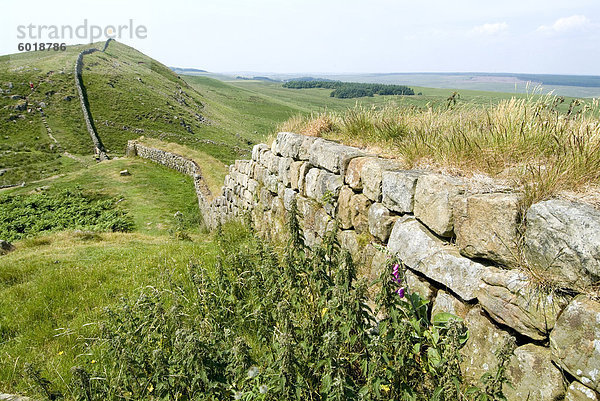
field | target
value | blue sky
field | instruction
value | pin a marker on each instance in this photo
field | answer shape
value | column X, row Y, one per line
column 338, row 36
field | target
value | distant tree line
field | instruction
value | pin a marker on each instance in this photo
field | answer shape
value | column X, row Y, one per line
column 345, row 90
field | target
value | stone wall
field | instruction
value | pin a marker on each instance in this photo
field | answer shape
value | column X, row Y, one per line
column 179, row 163
column 464, row 248
column 87, row 116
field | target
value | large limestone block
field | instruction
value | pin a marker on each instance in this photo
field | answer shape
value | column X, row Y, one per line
column 352, row 176
column 289, row 196
column 423, row 252
column 533, row 376
column 579, row 392
column 380, row 221
column 323, row 223
column 257, row 150
column 283, row 170
column 287, row 144
column 435, row 195
column 575, row 341
column 304, row 169
column 487, row 226
column 322, row 185
column 349, row 241
column 371, row 176
column 398, row 189
column 419, row 285
column 332, row 156
column 304, row 150
column 344, row 212
column 512, row 299
column 562, row 239
column 295, row 173
column 445, row 302
column 485, row 341
column 359, row 209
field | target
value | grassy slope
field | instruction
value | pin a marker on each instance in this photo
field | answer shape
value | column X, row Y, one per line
column 53, row 285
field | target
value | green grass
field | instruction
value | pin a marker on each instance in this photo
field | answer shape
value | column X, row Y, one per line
column 53, row 287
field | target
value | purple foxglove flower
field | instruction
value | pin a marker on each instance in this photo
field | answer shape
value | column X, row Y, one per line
column 400, row 292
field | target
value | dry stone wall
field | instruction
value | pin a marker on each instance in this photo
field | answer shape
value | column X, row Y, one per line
column 179, row 163
column 98, row 146
column 464, row 251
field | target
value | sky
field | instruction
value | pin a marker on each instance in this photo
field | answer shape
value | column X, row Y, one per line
column 333, row 36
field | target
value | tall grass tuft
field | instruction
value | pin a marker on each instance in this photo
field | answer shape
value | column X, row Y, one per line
column 529, row 141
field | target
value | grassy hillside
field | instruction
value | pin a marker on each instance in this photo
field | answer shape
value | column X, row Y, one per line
column 54, row 287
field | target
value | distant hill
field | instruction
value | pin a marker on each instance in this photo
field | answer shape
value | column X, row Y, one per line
column 188, row 71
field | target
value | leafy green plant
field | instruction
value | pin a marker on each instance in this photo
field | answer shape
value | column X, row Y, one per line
column 263, row 326
column 26, row 215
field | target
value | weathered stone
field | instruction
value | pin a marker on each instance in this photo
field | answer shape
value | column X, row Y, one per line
column 485, row 341
column 332, row 156
column 575, row 341
column 419, row 285
column 349, row 241
column 512, row 299
column 304, row 169
column 295, row 173
column 322, row 185
column 6, row 247
column 579, row 392
column 487, row 226
column 359, row 209
column 434, row 197
column 380, row 221
column 344, row 211
column 323, row 223
column 532, row 376
column 398, row 190
column 304, row 150
column 352, row 176
column 445, row 302
column 271, row 182
column 283, row 170
column 562, row 241
column 289, row 195
column 265, row 197
column 253, row 186
column 371, row 176
column 423, row 252
column 288, row 144
column 124, row 172
column 12, row 397
column 257, row 150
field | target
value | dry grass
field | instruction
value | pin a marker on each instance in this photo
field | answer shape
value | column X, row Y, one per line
column 527, row 141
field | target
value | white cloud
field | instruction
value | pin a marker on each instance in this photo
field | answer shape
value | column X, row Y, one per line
column 490, row 29
column 567, row 24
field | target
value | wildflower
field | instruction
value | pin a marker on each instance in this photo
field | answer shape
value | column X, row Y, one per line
column 237, row 395
column 60, row 353
column 263, row 389
column 93, row 361
column 400, row 292
column 385, row 388
column 252, row 372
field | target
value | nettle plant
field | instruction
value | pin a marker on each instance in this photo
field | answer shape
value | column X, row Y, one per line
column 260, row 326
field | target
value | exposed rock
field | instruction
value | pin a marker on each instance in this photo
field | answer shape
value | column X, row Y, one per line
column 6, row 247
column 287, row 144
column 352, row 176
column 487, row 226
column 532, row 376
column 289, row 195
column 575, row 341
column 562, row 240
column 295, row 173
column 380, row 221
column 419, row 285
column 359, row 208
column 257, row 150
column 332, row 156
column 12, row 397
column 323, row 223
column 22, row 106
column 283, row 170
column 321, row 185
column 371, row 176
column 434, row 197
column 445, row 302
column 344, row 210
column 485, row 341
column 304, row 169
column 511, row 299
column 422, row 251
column 398, row 190
column 579, row 392
column 124, row 172
column 304, row 151
column 349, row 241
